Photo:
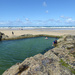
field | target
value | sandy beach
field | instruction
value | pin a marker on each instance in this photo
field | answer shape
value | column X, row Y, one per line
column 37, row 31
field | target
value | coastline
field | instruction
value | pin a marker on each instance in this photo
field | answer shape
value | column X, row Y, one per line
column 8, row 32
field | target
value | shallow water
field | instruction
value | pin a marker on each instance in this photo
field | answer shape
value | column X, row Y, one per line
column 14, row 51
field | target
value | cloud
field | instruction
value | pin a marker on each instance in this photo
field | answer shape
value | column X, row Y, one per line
column 64, row 17
column 1, row 23
column 58, row 21
column 26, row 19
column 68, row 20
column 4, row 22
column 10, row 23
column 40, row 22
column 46, row 11
column 44, row 4
column 27, row 23
column 52, row 20
column 37, row 20
column 48, row 22
column 18, row 20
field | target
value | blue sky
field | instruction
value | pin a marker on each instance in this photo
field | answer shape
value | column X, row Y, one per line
column 37, row 12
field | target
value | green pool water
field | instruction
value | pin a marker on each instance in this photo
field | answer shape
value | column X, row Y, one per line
column 14, row 51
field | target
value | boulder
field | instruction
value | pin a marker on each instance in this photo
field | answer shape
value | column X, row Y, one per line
column 1, row 34
column 70, row 46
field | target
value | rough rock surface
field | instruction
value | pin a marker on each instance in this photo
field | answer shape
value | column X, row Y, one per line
column 2, row 36
column 57, row 61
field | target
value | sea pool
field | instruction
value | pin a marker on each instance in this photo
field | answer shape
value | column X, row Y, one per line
column 14, row 51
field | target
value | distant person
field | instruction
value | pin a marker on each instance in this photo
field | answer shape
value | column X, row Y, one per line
column 21, row 29
column 12, row 33
column 46, row 38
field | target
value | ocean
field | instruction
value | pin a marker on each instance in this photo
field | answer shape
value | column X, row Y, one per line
column 38, row 27
column 14, row 51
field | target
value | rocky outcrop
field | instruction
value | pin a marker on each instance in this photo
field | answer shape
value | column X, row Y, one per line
column 26, row 36
column 3, row 36
column 57, row 61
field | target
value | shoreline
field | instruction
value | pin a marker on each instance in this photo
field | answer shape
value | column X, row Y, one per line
column 19, row 34
column 36, row 31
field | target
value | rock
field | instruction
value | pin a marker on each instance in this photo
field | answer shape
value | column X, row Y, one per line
column 1, row 36
column 69, row 46
column 49, row 63
column 45, row 66
column 60, row 40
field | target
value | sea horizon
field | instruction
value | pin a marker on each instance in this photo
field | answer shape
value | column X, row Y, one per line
column 38, row 27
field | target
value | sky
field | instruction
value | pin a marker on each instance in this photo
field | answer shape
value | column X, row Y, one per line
column 37, row 12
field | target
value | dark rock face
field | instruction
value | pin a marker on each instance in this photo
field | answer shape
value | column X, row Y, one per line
column 0, row 37
column 57, row 61
column 1, row 34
